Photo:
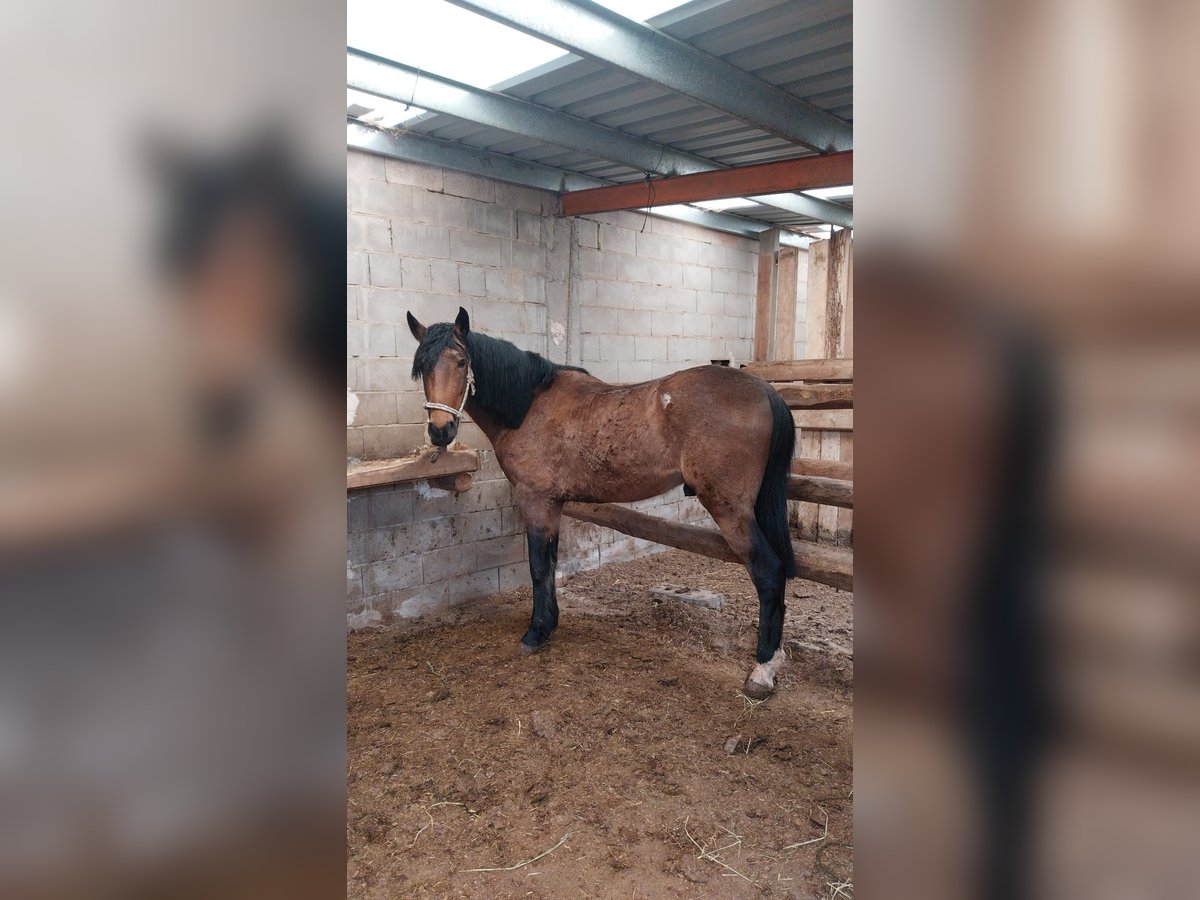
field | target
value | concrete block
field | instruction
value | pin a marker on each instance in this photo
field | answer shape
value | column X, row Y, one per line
column 357, row 269
column 725, row 281
column 416, row 274
column 356, row 339
column 528, row 257
column 614, row 239
column 588, row 233
column 689, row 595
column 514, row 575
column 388, row 441
column 711, row 256
column 680, row 350
column 381, row 340
column 376, row 408
column 390, row 507
column 460, row 184
column 419, row 240
column 498, row 220
column 697, row 325
column 526, row 199
column 477, row 584
column 392, row 575
column 511, row 520
column 368, row 233
column 530, row 227
column 361, row 165
column 460, row 212
column 684, row 250
column 652, row 246
column 380, row 198
column 589, row 262
column 617, row 347
column 448, row 562
column 386, row 271
column 665, row 323
column 633, row 321
column 698, row 278
column 410, row 398
column 416, row 174
column 638, row 270
column 498, row 315
column 352, row 303
column 471, row 281
column 629, row 372
column 358, row 511
column 711, row 303
column 428, row 207
column 651, row 348
column 500, row 551
column 498, row 284
column 481, row 249
column 443, row 276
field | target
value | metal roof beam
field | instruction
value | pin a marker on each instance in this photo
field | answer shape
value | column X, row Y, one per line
column 392, row 80
column 418, row 148
column 801, row 174
column 591, row 30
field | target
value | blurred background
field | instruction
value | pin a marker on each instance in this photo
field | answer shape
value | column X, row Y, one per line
column 1027, row 204
column 171, row 509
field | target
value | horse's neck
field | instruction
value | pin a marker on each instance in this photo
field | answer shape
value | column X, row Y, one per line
column 488, row 423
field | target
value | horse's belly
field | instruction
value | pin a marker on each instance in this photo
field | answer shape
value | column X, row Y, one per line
column 604, row 473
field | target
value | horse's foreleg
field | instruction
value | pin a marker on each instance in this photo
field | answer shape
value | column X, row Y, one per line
column 541, row 528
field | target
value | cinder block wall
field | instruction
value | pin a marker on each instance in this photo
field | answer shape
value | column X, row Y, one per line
column 627, row 296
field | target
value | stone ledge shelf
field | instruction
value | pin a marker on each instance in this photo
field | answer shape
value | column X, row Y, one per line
column 449, row 470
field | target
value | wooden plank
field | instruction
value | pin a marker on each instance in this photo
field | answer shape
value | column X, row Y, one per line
column 764, row 292
column 818, row 297
column 821, row 490
column 831, row 449
column 835, row 295
column 823, row 468
column 824, row 420
column 783, row 338
column 805, row 173
column 803, row 369
column 415, row 467
column 828, row 565
column 845, row 519
column 816, row 396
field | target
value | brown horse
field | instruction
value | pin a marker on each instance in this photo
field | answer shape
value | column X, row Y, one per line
column 560, row 434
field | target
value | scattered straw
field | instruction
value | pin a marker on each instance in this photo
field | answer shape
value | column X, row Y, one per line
column 710, row 855
column 527, row 862
column 815, row 840
column 840, row 889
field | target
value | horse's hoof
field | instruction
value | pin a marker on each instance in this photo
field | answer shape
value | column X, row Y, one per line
column 525, row 650
column 756, row 691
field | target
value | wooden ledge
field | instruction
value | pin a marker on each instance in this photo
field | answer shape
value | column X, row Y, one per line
column 419, row 466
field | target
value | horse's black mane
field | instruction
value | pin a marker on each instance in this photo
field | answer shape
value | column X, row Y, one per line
column 506, row 377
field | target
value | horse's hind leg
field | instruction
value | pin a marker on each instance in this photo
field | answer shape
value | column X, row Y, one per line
column 541, row 528
column 735, row 517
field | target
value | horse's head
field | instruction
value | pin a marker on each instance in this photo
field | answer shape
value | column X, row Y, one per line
column 443, row 363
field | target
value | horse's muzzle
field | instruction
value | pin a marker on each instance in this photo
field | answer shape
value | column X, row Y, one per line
column 444, row 435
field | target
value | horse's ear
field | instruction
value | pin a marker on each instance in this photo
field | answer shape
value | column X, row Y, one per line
column 462, row 324
column 417, row 329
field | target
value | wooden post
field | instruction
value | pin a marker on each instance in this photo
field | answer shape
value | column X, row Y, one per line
column 783, row 340
column 764, row 298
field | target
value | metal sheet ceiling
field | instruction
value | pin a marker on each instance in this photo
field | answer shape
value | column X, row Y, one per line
column 804, row 47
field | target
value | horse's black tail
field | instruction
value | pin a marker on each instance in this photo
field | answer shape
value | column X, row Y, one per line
column 770, row 509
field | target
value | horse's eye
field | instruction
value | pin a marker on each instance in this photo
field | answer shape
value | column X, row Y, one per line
column 462, row 363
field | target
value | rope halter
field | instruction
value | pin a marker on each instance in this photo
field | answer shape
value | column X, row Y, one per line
column 467, row 391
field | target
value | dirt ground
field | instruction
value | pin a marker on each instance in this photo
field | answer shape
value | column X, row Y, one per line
column 622, row 761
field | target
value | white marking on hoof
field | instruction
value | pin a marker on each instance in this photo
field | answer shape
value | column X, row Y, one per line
column 666, row 400
column 763, row 674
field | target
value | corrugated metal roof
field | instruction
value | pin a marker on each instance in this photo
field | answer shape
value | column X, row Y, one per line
column 804, row 47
